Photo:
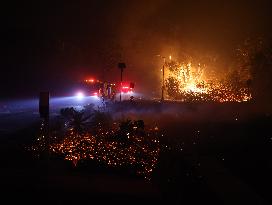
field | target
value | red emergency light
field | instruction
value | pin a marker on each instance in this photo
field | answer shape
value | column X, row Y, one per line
column 89, row 80
column 127, row 87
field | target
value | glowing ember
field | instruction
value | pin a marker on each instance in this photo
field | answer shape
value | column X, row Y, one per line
column 138, row 150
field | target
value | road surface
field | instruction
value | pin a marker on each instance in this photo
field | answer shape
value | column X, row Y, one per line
column 21, row 113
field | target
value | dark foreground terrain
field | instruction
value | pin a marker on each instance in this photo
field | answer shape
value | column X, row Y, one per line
column 206, row 157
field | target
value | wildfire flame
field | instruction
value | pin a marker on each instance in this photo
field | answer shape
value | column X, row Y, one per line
column 187, row 82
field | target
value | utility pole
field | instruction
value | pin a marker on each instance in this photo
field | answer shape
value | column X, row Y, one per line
column 121, row 66
column 163, row 86
column 162, row 70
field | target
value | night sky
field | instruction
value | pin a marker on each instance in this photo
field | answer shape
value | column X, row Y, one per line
column 48, row 45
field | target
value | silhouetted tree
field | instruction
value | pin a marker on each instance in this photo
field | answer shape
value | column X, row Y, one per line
column 76, row 120
column 256, row 56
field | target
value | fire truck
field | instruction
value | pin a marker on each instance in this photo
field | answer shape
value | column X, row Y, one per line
column 105, row 90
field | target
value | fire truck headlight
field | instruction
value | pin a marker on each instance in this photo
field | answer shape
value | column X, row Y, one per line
column 79, row 95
